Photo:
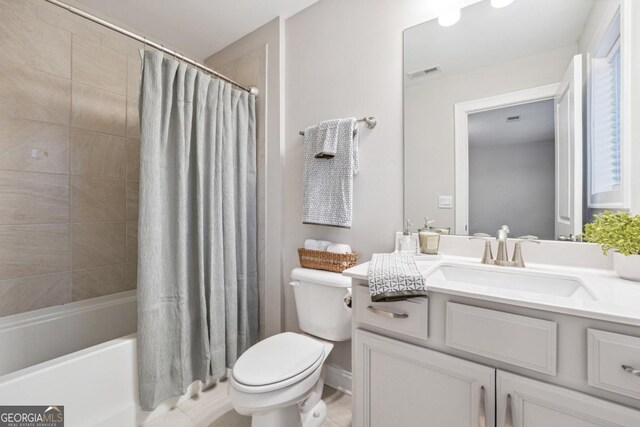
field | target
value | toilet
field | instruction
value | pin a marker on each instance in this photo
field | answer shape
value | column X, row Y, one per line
column 279, row 381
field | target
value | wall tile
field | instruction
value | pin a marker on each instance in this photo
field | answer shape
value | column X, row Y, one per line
column 99, row 66
column 133, row 118
column 34, row 95
column 98, row 110
column 96, row 282
column 28, row 42
column 132, row 200
column 119, row 42
column 28, row 7
column 132, row 254
column 133, row 159
column 95, row 199
column 134, row 64
column 29, row 250
column 33, row 198
column 97, row 244
column 97, row 154
column 33, row 146
column 32, row 293
column 61, row 18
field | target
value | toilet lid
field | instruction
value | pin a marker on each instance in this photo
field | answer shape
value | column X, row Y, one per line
column 277, row 359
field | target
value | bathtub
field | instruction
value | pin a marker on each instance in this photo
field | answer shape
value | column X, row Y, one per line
column 34, row 337
column 98, row 386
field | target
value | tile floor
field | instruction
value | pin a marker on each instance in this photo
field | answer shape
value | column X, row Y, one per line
column 212, row 408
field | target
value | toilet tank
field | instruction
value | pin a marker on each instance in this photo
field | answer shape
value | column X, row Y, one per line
column 322, row 304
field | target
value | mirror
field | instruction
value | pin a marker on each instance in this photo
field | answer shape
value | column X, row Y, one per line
column 513, row 116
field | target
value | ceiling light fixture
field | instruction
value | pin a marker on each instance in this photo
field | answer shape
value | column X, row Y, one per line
column 500, row 3
column 449, row 17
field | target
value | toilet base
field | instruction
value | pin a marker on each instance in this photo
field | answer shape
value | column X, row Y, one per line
column 316, row 416
column 290, row 416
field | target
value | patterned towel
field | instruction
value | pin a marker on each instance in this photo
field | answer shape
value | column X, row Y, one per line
column 395, row 277
column 328, row 183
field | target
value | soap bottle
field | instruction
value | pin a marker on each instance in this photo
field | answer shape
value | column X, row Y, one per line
column 407, row 243
column 429, row 238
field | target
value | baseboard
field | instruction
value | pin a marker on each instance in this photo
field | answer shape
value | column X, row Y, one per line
column 338, row 378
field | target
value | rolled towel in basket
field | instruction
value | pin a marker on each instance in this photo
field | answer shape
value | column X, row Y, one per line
column 316, row 245
column 339, row 248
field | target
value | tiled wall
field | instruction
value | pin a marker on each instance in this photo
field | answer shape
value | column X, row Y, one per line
column 69, row 158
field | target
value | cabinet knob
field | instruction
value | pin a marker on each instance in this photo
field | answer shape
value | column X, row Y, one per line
column 482, row 414
column 385, row 313
column 631, row 370
column 508, row 418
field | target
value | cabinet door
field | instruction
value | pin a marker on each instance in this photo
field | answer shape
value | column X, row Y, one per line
column 523, row 402
column 399, row 384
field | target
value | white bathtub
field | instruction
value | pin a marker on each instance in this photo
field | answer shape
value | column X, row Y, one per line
column 34, row 337
column 98, row 386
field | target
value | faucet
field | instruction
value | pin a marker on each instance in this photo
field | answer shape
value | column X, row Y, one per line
column 502, row 257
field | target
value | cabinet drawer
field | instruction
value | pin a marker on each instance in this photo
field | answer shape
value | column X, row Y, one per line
column 519, row 340
column 607, row 354
column 408, row 317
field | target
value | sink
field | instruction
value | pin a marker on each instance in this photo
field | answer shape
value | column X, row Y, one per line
column 511, row 280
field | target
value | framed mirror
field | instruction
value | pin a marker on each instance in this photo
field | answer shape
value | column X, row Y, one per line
column 516, row 115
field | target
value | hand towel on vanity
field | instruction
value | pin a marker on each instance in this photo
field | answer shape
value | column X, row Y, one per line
column 328, row 183
column 395, row 277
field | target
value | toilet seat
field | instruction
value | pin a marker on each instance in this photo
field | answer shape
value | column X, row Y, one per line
column 277, row 362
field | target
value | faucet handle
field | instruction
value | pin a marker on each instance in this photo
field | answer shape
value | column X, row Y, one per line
column 480, row 236
column 517, row 259
column 528, row 238
column 487, row 255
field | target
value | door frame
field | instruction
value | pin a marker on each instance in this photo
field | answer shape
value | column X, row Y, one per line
column 461, row 139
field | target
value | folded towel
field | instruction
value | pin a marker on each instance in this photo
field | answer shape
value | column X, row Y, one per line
column 339, row 248
column 395, row 277
column 326, row 143
column 316, row 245
column 323, row 245
column 328, row 183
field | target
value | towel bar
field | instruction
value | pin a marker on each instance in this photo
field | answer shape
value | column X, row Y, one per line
column 370, row 121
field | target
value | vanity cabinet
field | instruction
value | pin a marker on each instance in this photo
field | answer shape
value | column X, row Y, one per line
column 399, row 384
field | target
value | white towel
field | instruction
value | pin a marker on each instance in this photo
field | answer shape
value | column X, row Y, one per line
column 316, row 245
column 326, row 144
column 394, row 277
column 339, row 248
column 328, row 183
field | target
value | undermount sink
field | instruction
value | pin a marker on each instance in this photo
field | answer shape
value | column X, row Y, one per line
column 529, row 282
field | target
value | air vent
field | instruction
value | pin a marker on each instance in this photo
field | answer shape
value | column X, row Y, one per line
column 424, row 72
column 512, row 119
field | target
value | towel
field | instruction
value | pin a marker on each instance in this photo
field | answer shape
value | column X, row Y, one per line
column 395, row 277
column 317, row 245
column 328, row 183
column 326, row 142
column 339, row 248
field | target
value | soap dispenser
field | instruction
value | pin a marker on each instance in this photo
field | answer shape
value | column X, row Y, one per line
column 429, row 238
column 407, row 243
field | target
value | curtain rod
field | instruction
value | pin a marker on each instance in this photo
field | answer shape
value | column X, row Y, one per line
column 158, row 46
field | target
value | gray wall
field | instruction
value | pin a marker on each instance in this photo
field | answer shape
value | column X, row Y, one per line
column 512, row 184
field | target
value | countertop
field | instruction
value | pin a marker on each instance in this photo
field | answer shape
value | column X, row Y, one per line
column 612, row 299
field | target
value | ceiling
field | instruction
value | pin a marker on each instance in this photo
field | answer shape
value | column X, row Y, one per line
column 536, row 124
column 485, row 35
column 198, row 28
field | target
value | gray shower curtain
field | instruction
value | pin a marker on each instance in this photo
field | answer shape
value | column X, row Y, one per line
column 197, row 273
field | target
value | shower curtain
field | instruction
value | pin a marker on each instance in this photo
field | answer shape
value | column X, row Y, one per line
column 197, row 272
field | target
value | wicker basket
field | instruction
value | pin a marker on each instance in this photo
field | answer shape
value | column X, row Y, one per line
column 321, row 260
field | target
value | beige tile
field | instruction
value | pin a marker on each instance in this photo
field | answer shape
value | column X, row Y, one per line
column 30, row 250
column 338, row 408
column 231, row 419
column 95, row 199
column 28, row 7
column 98, row 110
column 33, row 146
column 65, row 20
column 133, row 159
column 209, row 405
column 173, row 418
column 28, row 42
column 97, row 154
column 34, row 95
column 96, row 282
column 33, row 198
column 132, row 200
column 133, row 118
column 97, row 244
column 32, row 293
column 99, row 66
column 134, row 64
column 121, row 43
column 132, row 254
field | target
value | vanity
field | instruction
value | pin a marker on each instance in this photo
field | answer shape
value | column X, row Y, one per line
column 498, row 346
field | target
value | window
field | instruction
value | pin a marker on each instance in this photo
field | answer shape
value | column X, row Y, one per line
column 605, row 151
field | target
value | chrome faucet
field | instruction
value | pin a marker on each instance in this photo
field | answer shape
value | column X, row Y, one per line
column 502, row 257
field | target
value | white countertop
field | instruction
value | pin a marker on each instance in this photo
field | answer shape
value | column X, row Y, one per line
column 615, row 299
